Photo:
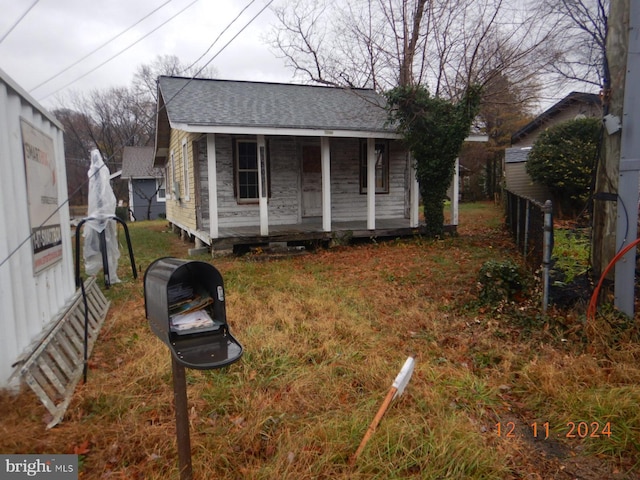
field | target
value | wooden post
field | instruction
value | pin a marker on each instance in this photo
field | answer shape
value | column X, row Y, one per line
column 374, row 424
column 455, row 197
column 371, row 183
column 325, row 162
column 606, row 189
column 262, row 186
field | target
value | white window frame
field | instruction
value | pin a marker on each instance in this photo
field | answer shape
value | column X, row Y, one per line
column 161, row 185
column 185, row 168
column 237, row 171
column 173, row 194
column 382, row 166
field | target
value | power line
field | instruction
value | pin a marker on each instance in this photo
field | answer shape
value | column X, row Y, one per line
column 17, row 22
column 167, row 102
column 117, row 54
column 98, row 48
column 218, row 37
column 224, row 46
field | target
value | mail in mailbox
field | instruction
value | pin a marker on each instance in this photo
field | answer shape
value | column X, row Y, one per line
column 185, row 306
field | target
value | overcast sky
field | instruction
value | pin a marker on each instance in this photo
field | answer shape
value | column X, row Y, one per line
column 57, row 33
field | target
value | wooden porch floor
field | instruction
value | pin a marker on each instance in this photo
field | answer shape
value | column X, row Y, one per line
column 311, row 230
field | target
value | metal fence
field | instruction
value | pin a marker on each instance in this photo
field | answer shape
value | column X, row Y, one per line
column 531, row 225
column 525, row 220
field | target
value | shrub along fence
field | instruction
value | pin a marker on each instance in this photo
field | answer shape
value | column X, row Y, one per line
column 531, row 225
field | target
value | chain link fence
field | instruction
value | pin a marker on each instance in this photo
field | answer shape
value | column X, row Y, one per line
column 531, row 225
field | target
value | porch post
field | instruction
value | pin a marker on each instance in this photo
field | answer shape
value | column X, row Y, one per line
column 213, row 186
column 262, row 186
column 325, row 155
column 456, row 193
column 414, row 195
column 371, row 183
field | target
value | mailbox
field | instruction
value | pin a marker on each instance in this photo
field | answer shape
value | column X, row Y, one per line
column 184, row 304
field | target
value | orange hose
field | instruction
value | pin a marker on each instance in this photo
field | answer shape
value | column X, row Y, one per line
column 593, row 303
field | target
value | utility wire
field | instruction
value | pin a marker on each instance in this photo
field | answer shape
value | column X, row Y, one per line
column 224, row 46
column 149, row 118
column 98, row 48
column 17, row 22
column 218, row 37
column 117, row 54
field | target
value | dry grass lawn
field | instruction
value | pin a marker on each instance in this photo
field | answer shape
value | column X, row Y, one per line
column 324, row 335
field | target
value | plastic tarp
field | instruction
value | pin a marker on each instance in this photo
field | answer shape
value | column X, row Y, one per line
column 102, row 210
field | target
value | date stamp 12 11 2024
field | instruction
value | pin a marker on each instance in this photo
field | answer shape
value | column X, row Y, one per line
column 542, row 430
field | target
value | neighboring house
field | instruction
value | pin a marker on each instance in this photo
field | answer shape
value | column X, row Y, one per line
column 575, row 105
column 41, row 311
column 146, row 183
column 250, row 162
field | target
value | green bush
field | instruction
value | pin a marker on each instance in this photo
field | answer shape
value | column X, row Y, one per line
column 499, row 281
column 122, row 213
column 562, row 159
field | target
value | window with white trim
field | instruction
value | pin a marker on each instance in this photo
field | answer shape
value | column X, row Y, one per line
column 382, row 166
column 161, row 196
column 174, row 188
column 185, row 168
column 246, row 165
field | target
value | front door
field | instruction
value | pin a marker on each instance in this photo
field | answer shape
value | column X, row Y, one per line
column 311, row 181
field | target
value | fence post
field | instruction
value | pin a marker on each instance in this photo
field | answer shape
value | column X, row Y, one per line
column 525, row 245
column 518, row 221
column 547, row 247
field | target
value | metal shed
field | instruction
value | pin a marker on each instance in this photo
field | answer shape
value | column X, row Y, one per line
column 41, row 317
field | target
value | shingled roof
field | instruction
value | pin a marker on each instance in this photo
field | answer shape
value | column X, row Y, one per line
column 241, row 104
column 137, row 162
column 548, row 115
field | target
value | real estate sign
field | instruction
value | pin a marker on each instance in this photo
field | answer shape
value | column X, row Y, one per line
column 42, row 192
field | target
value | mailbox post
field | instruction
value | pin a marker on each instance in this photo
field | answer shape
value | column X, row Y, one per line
column 185, row 306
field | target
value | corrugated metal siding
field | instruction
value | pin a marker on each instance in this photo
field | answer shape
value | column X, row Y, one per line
column 28, row 302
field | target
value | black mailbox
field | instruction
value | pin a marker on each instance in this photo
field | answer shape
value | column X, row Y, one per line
column 184, row 303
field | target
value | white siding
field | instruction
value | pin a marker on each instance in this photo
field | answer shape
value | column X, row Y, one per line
column 285, row 154
column 348, row 204
column 284, row 159
column 28, row 301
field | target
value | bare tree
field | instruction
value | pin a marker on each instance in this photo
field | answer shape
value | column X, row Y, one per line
column 145, row 79
column 445, row 44
column 580, row 52
column 145, row 89
column 113, row 118
column 77, row 148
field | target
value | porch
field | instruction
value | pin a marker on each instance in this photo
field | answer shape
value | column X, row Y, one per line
column 311, row 231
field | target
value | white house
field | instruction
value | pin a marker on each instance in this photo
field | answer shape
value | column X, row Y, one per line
column 251, row 162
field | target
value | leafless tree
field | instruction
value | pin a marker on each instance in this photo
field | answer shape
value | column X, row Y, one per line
column 145, row 78
column 77, row 148
column 579, row 52
column 113, row 118
column 445, row 44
